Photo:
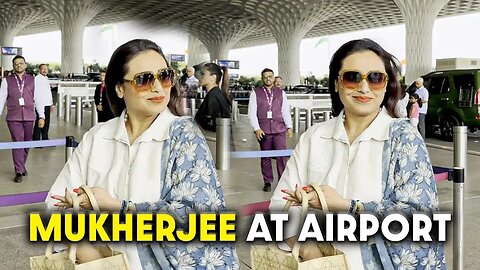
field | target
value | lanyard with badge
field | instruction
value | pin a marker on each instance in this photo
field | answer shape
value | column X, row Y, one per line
column 21, row 101
column 101, row 93
column 270, row 103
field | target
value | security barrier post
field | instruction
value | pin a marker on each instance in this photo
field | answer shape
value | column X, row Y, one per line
column 296, row 119
column 69, row 147
column 94, row 115
column 308, row 118
column 193, row 106
column 223, row 144
column 78, row 111
column 234, row 110
column 60, row 105
column 68, row 106
column 326, row 115
column 459, row 174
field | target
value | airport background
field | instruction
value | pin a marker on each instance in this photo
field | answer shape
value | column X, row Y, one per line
column 453, row 37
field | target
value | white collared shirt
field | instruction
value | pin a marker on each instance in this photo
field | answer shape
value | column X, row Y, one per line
column 192, row 81
column 43, row 91
column 105, row 158
column 324, row 156
column 422, row 92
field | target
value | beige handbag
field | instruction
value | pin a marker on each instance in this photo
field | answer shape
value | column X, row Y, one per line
column 65, row 260
column 266, row 257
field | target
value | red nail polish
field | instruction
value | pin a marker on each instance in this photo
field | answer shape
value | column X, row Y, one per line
column 284, row 198
column 283, row 190
column 296, row 186
column 75, row 190
column 305, row 188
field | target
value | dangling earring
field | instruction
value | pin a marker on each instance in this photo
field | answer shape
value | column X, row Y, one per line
column 125, row 118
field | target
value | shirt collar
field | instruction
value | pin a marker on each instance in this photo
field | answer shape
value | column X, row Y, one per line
column 158, row 130
column 378, row 130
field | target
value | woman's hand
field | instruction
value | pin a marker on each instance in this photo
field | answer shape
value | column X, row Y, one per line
column 296, row 198
column 105, row 201
column 335, row 202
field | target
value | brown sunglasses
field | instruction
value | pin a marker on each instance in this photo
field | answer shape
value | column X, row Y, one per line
column 144, row 81
column 351, row 79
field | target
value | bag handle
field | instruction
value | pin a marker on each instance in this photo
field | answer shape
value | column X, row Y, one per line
column 93, row 201
column 321, row 197
column 72, row 250
column 323, row 202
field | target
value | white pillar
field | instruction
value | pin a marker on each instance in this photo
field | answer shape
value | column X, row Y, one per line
column 12, row 22
column 289, row 57
column 419, row 17
column 72, row 17
column 72, row 45
column 197, row 52
column 291, row 26
column 6, row 40
column 219, row 51
column 220, row 37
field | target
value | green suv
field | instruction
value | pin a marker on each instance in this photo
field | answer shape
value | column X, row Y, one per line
column 454, row 100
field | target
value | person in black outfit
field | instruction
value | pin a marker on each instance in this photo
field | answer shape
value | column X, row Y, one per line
column 103, row 108
column 215, row 104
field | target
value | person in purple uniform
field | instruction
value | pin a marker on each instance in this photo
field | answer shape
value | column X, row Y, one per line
column 269, row 115
column 18, row 91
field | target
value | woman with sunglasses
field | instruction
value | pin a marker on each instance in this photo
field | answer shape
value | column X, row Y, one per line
column 215, row 105
column 148, row 159
column 365, row 160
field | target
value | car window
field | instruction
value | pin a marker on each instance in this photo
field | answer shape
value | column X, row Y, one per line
column 445, row 85
column 465, row 85
column 465, row 81
column 435, row 85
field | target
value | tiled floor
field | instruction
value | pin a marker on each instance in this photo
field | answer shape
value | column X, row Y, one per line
column 242, row 184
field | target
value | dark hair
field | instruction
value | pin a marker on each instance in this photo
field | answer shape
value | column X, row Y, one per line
column 392, row 67
column 266, row 70
column 419, row 100
column 278, row 77
column 43, row 64
column 221, row 73
column 117, row 68
column 18, row 57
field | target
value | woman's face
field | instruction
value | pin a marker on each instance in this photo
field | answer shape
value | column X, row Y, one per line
column 361, row 100
column 206, row 77
column 153, row 101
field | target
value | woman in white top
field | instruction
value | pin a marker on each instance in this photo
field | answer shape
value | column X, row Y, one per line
column 367, row 155
column 147, row 160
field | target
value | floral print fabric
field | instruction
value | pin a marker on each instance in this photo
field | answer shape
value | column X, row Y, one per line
column 190, row 185
column 409, row 187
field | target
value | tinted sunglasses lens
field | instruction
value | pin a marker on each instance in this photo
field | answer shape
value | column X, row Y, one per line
column 144, row 81
column 376, row 80
column 166, row 77
column 350, row 79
